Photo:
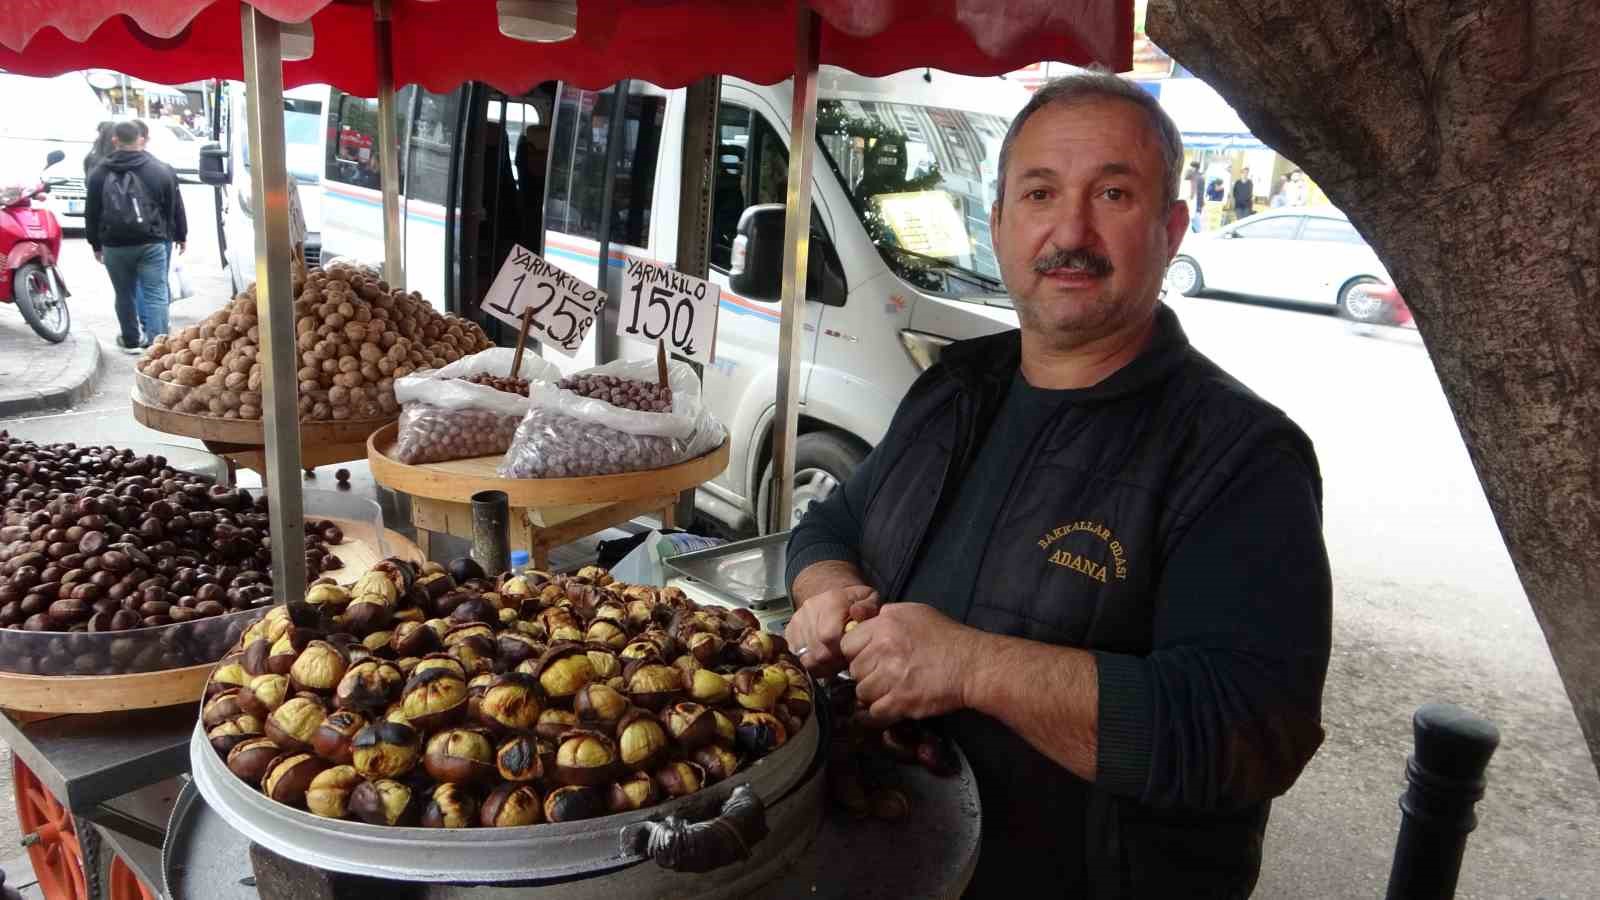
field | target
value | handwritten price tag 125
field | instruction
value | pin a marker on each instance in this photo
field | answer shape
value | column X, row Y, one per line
column 661, row 304
column 564, row 307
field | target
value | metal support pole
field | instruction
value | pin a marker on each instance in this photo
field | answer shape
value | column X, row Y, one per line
column 269, row 182
column 696, row 185
column 491, row 541
column 796, row 250
column 394, row 243
column 605, row 335
column 1445, row 777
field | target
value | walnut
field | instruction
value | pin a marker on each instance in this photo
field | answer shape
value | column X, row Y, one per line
column 226, row 332
column 349, row 364
column 206, row 366
column 247, row 411
column 254, row 383
column 235, row 381
column 370, row 373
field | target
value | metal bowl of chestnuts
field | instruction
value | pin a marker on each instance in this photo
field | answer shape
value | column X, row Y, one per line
column 439, row 724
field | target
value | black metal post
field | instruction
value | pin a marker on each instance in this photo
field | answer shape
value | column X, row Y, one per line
column 491, row 545
column 1445, row 777
column 605, row 338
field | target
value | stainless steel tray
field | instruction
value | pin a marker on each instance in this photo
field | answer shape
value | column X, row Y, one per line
column 748, row 573
column 202, row 856
column 471, row 855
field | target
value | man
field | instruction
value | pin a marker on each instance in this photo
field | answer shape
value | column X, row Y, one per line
column 133, row 216
column 1196, row 185
column 1244, row 195
column 1090, row 550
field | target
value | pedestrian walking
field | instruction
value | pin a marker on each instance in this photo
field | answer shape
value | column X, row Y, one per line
column 103, row 147
column 1296, row 192
column 133, row 216
column 1244, row 195
column 1195, row 183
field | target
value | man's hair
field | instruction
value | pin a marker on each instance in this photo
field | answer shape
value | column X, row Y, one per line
column 144, row 130
column 1096, row 85
column 126, row 133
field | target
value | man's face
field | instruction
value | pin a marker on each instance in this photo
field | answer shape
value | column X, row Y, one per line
column 1087, row 224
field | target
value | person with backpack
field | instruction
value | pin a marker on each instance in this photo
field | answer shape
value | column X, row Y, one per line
column 133, row 216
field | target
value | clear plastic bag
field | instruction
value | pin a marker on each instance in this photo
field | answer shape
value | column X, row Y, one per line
column 566, row 435
column 444, row 418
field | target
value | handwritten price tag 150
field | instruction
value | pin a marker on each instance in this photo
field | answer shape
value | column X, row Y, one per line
column 563, row 307
column 661, row 304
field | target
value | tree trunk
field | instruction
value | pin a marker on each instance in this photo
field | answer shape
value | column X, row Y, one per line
column 1460, row 137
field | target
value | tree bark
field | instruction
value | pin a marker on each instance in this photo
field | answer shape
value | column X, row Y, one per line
column 1460, row 137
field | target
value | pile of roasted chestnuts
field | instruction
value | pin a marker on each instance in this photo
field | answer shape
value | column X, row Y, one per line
column 442, row 697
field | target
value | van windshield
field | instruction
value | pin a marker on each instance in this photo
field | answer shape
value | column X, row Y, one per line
column 922, row 179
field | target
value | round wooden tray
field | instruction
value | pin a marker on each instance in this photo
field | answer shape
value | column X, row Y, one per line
column 248, row 431
column 167, row 687
column 459, row 479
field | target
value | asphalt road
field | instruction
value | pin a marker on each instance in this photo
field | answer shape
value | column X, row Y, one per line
column 1427, row 604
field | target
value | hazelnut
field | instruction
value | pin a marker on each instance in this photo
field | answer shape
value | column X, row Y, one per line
column 329, row 793
column 459, row 755
column 384, row 802
column 511, row 805
column 386, row 749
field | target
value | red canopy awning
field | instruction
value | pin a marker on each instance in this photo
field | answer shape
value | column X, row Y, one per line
column 668, row 42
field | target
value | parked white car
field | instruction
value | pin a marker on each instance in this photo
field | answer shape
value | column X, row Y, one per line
column 1312, row 256
column 176, row 146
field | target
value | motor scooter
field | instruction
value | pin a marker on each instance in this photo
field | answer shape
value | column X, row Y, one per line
column 30, row 244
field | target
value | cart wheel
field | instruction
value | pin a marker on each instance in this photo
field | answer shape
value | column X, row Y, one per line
column 124, row 885
column 51, row 839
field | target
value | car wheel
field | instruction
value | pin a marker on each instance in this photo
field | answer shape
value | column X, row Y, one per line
column 41, row 304
column 822, row 461
column 1184, row 277
column 1358, row 304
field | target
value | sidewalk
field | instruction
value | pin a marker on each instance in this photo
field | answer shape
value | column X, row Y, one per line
column 36, row 375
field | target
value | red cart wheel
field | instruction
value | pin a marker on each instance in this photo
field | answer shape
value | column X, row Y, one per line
column 125, row 885
column 50, row 837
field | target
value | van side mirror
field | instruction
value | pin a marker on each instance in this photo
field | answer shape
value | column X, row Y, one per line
column 53, row 157
column 757, row 264
column 214, row 165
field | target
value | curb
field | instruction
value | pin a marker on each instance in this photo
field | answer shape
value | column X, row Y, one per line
column 77, row 385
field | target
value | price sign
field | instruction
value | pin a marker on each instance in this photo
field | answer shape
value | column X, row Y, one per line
column 660, row 304
column 564, row 308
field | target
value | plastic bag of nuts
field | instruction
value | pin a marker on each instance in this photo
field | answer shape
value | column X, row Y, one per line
column 566, row 434
column 446, row 415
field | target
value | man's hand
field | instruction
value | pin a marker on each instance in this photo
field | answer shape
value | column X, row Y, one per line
column 819, row 624
column 100, row 257
column 911, row 662
column 183, row 247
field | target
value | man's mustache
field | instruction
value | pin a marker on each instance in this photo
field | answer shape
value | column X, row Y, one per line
column 1085, row 260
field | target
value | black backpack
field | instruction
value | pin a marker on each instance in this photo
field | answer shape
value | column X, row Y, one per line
column 128, row 214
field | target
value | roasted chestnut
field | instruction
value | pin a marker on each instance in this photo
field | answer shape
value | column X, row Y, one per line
column 434, row 698
column 332, row 739
column 221, row 708
column 727, row 734
column 451, row 806
column 368, row 613
column 585, row 758
column 459, row 756
column 328, row 596
column 759, row 733
column 605, row 663
column 289, row 776
column 633, row 792
column 599, row 705
column 514, row 648
column 652, row 685
column 318, row 668
column 413, row 639
column 606, row 632
column 553, row 723
column 439, row 661
column 520, row 759
column 641, row 740
column 370, row 686
column 564, row 670
column 718, row 762
column 376, row 584
column 680, row 779
column 759, row 688
column 329, row 793
column 709, row 688
column 250, row 758
column 233, row 732
column 705, row 647
column 510, row 805
column 571, row 803
column 293, row 723
column 510, row 702
column 385, row 749
column 384, row 802
column 227, row 674
column 690, row 724
column 757, row 646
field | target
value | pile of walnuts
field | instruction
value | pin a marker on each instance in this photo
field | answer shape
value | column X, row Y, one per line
column 354, row 336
